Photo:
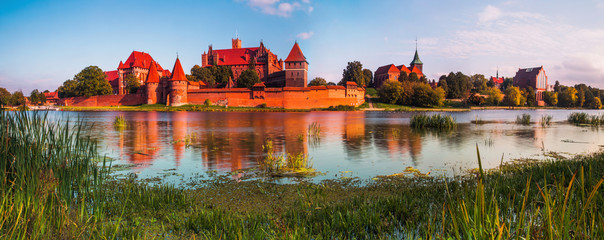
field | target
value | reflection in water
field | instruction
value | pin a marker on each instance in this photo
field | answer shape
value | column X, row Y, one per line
column 366, row 143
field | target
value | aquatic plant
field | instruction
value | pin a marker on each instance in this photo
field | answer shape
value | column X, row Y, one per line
column 478, row 121
column 284, row 164
column 546, row 120
column 436, row 121
column 314, row 130
column 524, row 119
column 587, row 119
column 119, row 122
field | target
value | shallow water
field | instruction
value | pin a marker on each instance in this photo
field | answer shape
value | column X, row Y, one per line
column 359, row 144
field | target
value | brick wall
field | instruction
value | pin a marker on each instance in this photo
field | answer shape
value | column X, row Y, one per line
column 104, row 100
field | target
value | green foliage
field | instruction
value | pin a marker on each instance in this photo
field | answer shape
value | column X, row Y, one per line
column 442, row 82
column 436, row 121
column 248, row 78
column 530, row 97
column 458, row 85
column 597, row 104
column 546, row 120
column 132, row 83
column 513, row 96
column 479, row 82
column 222, row 74
column 391, row 92
column 550, row 98
column 494, row 96
column 371, row 92
column 584, row 118
column 425, row 96
column 119, row 122
column 567, row 97
column 403, row 77
column 476, row 99
column 341, row 108
column 207, row 103
column 524, row 119
column 5, row 97
column 368, row 77
column 353, row 73
column 36, row 97
column 507, row 82
column 284, row 164
column 203, row 74
column 17, row 99
column 88, row 82
column 318, row 81
column 413, row 77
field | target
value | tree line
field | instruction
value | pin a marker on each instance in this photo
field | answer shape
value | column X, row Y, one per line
column 17, row 98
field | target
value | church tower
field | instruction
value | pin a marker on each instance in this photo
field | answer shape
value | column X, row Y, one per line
column 178, row 86
column 296, row 68
column 416, row 62
column 236, row 43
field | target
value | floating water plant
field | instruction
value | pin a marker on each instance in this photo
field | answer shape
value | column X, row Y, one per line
column 436, row 121
column 524, row 119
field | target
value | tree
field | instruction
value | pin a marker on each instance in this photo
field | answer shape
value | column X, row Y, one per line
column 513, row 96
column 368, row 77
column 458, row 85
column 331, row 84
column 490, row 83
column 5, row 97
column 476, row 99
column 557, row 86
column 17, row 98
column 248, row 78
column 494, row 96
column 425, row 96
column 391, row 92
column 203, row 74
column 442, row 82
column 567, row 97
column 36, row 97
column 222, row 74
column 318, row 81
column 597, row 103
column 132, row 83
column 91, row 82
column 68, row 89
column 531, row 99
column 550, row 98
column 479, row 82
column 423, row 79
column 353, row 73
column 507, row 82
column 403, row 77
column 413, row 77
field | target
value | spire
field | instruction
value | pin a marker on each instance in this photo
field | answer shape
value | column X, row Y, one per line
column 296, row 55
column 177, row 73
column 497, row 72
column 153, row 76
column 416, row 60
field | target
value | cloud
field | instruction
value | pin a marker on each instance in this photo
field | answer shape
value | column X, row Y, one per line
column 305, row 35
column 530, row 39
column 283, row 9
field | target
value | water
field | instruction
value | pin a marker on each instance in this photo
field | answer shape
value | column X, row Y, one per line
column 359, row 144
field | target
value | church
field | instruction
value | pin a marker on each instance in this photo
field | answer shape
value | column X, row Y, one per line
column 391, row 72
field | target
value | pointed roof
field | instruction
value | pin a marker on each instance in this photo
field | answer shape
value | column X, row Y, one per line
column 387, row 69
column 153, row 76
column 177, row 73
column 139, row 59
column 404, row 68
column 296, row 55
column 416, row 60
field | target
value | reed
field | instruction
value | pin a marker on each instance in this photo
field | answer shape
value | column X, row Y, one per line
column 314, row 129
column 546, row 120
column 524, row 119
column 283, row 164
column 436, row 121
column 580, row 118
column 119, row 122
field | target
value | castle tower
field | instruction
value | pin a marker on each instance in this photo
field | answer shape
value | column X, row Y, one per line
column 416, row 62
column 296, row 68
column 152, row 84
column 178, row 86
column 236, row 43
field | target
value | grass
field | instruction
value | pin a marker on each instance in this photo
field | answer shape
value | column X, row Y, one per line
column 51, row 189
column 436, row 121
column 119, row 122
column 371, row 92
column 580, row 118
column 546, row 120
column 276, row 165
column 524, row 119
column 314, row 130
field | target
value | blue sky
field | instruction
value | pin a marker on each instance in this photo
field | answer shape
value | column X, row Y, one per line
column 44, row 43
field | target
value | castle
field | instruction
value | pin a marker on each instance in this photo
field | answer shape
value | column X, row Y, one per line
column 284, row 83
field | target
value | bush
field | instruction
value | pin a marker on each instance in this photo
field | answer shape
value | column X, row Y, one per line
column 391, row 92
column 476, row 99
column 207, row 103
column 494, row 96
column 524, row 119
column 341, row 108
column 425, row 96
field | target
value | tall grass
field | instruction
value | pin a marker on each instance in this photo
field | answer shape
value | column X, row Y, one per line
column 119, row 122
column 584, row 118
column 314, row 130
column 524, row 119
column 546, row 120
column 279, row 164
column 436, row 121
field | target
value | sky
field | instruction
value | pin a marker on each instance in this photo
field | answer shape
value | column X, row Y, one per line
column 44, row 43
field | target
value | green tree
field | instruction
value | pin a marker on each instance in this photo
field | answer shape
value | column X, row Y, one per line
column 132, row 83
column 479, row 82
column 459, row 85
column 203, row 74
column 494, row 96
column 331, row 84
column 531, row 98
column 248, row 78
column 368, row 77
column 557, row 86
column 403, row 77
column 425, row 96
column 550, row 98
column 17, row 98
column 442, row 82
column 567, row 97
column 36, row 97
column 391, row 92
column 222, row 74
column 513, row 96
column 476, row 99
column 423, row 79
column 68, row 89
column 507, row 82
column 597, row 103
column 318, row 81
column 353, row 73
column 5, row 97
column 91, row 81
column 413, row 77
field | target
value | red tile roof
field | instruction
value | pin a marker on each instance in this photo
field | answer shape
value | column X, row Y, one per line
column 237, row 56
column 387, row 69
column 403, row 68
column 166, row 73
column 177, row 73
column 417, row 71
column 112, row 75
column 153, row 76
column 51, row 95
column 260, row 84
column 351, row 83
column 295, row 55
column 497, row 80
column 139, row 59
column 200, row 83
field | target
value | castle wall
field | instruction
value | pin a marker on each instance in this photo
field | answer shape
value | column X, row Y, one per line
column 104, row 100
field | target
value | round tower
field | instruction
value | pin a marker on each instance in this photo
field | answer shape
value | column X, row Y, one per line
column 178, row 86
column 152, row 84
